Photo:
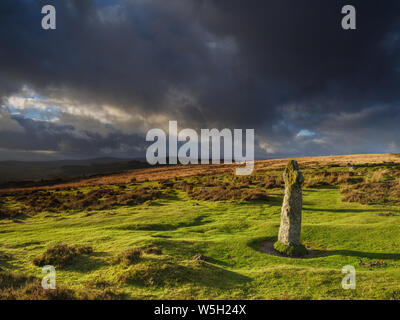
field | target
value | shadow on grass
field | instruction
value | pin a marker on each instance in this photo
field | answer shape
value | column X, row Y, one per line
column 180, row 248
column 84, row 264
column 198, row 221
column 27, row 244
column 4, row 258
column 316, row 189
column 272, row 200
column 169, row 274
column 256, row 244
column 17, row 219
column 361, row 254
column 343, row 210
column 172, row 195
column 100, row 254
column 161, row 200
column 275, row 200
column 161, row 236
column 218, row 262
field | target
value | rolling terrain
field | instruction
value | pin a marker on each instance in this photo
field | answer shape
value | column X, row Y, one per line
column 200, row 232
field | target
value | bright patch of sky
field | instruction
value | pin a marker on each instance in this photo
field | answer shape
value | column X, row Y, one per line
column 48, row 114
column 306, row 133
column 31, row 106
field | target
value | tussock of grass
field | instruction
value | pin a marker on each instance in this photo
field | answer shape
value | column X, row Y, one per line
column 61, row 255
column 105, row 294
column 21, row 287
column 130, row 256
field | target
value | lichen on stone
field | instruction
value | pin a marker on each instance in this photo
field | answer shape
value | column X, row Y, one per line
column 290, row 227
column 292, row 176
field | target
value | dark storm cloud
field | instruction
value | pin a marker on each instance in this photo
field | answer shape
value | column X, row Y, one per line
column 300, row 48
column 277, row 66
column 47, row 137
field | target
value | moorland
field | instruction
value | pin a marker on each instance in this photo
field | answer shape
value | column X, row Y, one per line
column 201, row 232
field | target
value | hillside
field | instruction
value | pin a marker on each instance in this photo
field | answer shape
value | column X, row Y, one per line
column 31, row 172
column 200, row 232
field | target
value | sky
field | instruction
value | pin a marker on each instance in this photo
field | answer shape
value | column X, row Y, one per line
column 112, row 70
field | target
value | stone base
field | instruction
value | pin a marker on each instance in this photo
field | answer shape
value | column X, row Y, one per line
column 291, row 251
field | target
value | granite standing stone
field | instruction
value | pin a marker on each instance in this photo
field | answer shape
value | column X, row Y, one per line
column 290, row 228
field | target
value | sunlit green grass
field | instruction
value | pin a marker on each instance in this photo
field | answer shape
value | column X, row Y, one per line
column 229, row 234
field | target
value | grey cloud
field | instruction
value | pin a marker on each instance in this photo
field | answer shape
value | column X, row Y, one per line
column 278, row 66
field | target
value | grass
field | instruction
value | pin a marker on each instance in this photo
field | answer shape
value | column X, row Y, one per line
column 291, row 250
column 146, row 250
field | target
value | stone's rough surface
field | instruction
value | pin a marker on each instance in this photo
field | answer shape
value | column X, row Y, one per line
column 289, row 231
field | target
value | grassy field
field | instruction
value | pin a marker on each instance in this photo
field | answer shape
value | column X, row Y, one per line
column 224, row 218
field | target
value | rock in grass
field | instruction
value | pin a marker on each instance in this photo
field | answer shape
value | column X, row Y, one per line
column 290, row 228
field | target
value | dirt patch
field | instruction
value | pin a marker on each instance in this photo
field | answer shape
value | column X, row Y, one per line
column 268, row 247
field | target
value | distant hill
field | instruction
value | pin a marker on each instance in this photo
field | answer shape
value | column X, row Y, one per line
column 35, row 171
column 117, row 171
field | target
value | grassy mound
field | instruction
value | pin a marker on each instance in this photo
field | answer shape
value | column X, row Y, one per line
column 130, row 256
column 292, row 250
column 61, row 255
